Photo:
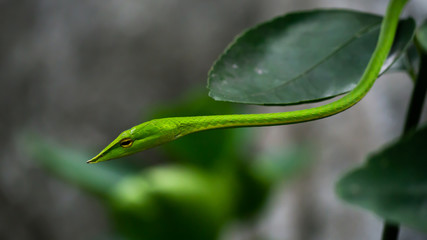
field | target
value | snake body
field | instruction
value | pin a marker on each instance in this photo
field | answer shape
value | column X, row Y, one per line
column 159, row 131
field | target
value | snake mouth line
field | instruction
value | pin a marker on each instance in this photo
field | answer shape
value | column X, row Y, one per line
column 94, row 160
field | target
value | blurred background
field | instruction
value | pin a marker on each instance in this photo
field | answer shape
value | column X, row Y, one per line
column 77, row 73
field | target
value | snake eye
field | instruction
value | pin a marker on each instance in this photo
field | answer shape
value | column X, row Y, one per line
column 125, row 143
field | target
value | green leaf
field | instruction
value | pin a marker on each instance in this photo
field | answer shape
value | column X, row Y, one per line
column 188, row 202
column 421, row 37
column 409, row 61
column 301, row 57
column 278, row 164
column 393, row 183
column 69, row 164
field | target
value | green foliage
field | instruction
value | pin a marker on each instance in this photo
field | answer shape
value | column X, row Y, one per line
column 408, row 62
column 421, row 37
column 192, row 200
column 312, row 56
column 301, row 57
column 275, row 163
column 393, row 183
column 66, row 163
column 183, row 202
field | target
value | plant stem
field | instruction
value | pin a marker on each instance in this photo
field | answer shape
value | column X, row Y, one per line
column 418, row 96
column 391, row 230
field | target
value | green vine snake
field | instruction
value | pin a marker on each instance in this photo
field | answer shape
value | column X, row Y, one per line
column 159, row 131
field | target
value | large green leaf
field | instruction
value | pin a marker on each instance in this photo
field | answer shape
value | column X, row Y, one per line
column 301, row 57
column 393, row 183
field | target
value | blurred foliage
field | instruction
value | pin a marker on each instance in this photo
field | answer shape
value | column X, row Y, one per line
column 66, row 163
column 214, row 184
column 393, row 183
column 421, row 37
column 408, row 62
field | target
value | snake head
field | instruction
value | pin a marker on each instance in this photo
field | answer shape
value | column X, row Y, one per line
column 144, row 136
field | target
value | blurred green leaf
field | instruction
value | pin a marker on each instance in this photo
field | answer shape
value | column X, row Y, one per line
column 69, row 164
column 204, row 149
column 421, row 37
column 301, row 57
column 173, row 202
column 267, row 169
column 278, row 164
column 186, row 201
column 409, row 62
column 393, row 183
